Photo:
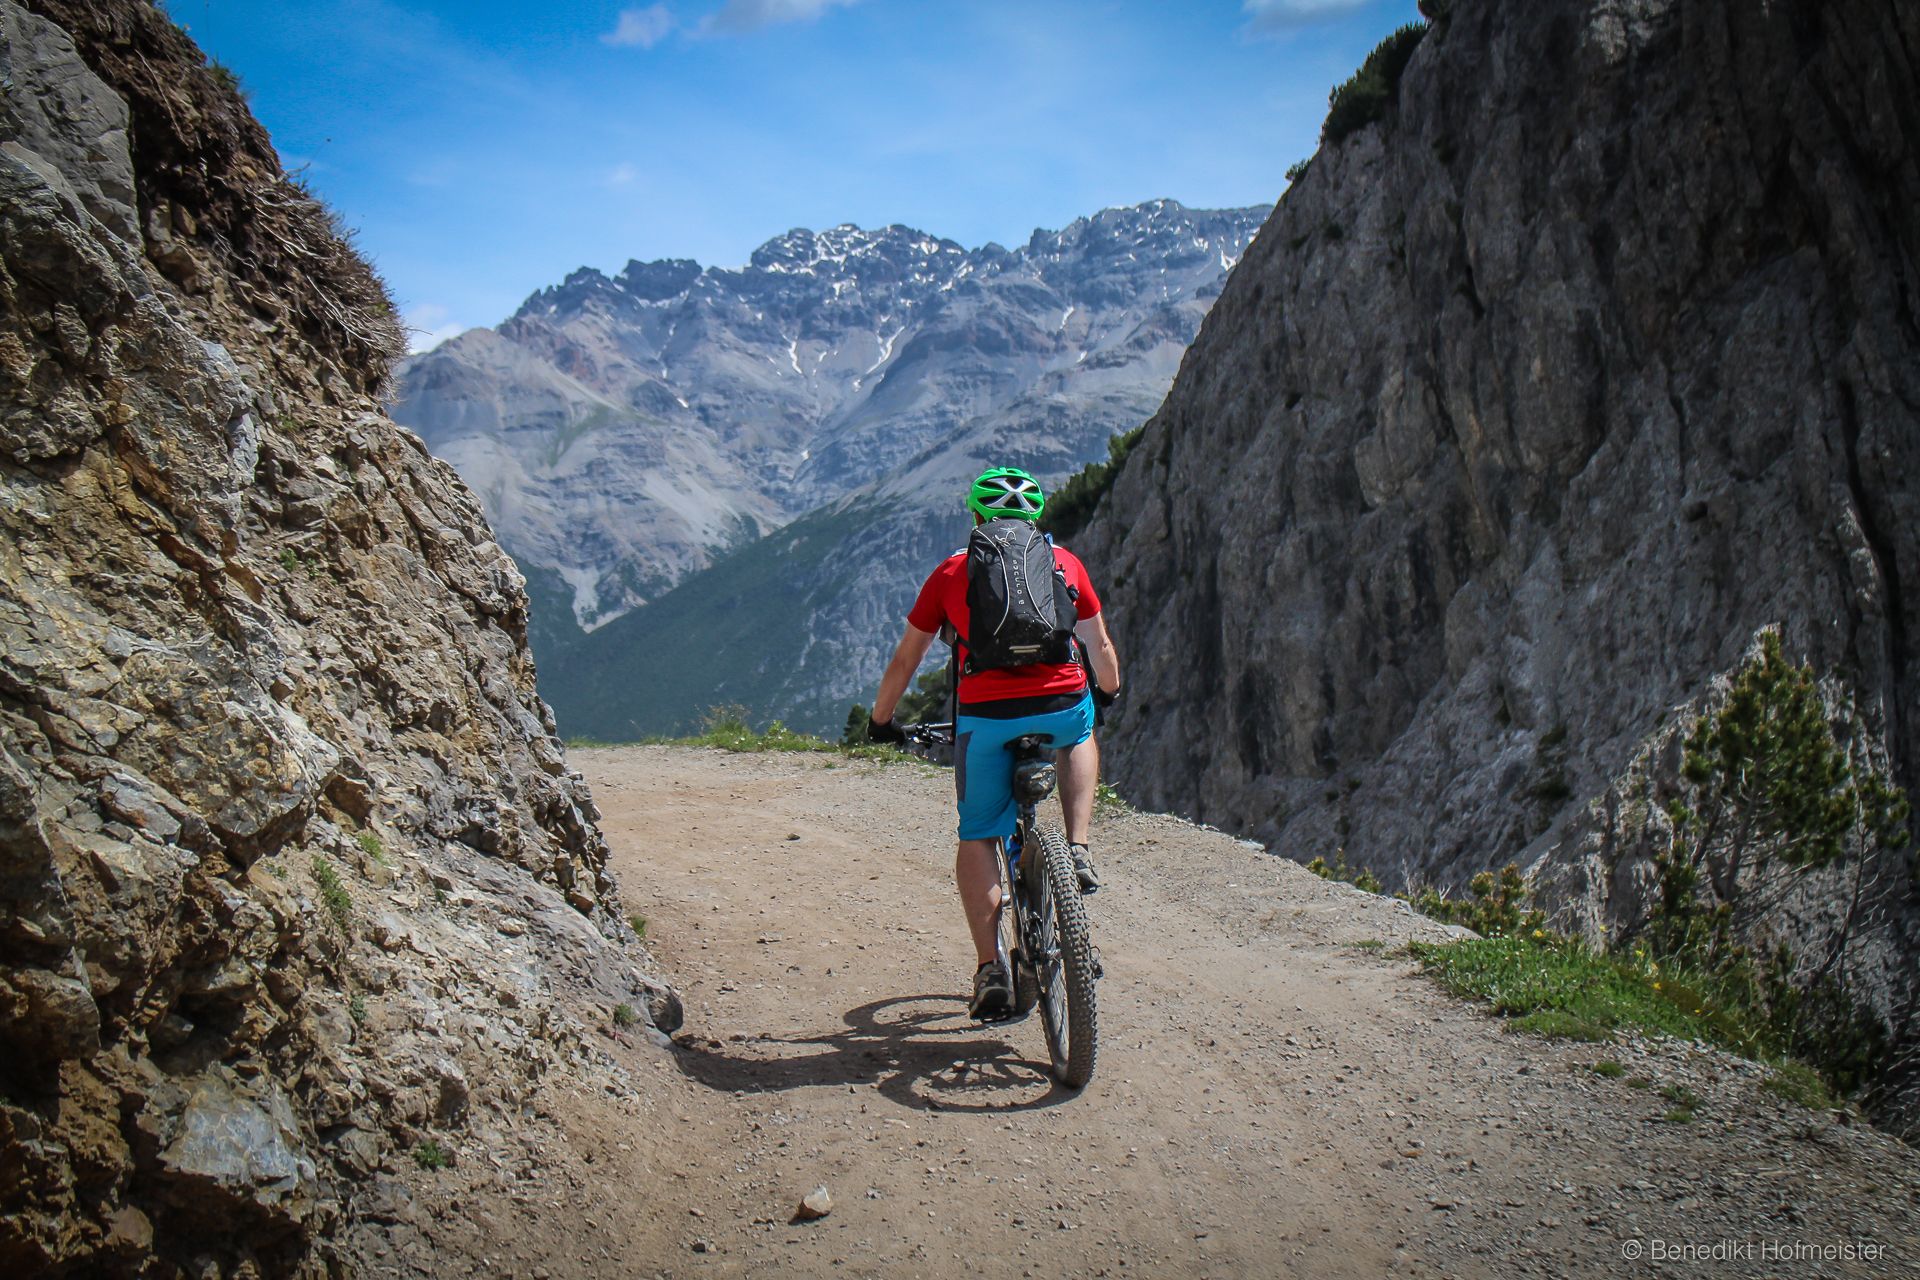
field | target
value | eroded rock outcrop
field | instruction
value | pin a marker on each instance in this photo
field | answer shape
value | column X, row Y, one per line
column 1529, row 407
column 293, row 872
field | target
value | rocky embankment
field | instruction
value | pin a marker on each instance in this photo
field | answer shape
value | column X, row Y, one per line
column 297, row 881
column 1529, row 407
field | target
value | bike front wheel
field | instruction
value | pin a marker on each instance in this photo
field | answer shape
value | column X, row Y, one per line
column 1062, row 953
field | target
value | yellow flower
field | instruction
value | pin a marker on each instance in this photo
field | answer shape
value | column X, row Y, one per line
column 1656, row 986
column 1539, row 933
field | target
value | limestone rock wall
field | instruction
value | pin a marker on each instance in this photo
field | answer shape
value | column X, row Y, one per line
column 1525, row 411
column 293, row 872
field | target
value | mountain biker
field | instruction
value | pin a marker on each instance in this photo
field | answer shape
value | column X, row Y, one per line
column 995, row 707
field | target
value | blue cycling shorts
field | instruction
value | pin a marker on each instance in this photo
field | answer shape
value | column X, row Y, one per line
column 983, row 767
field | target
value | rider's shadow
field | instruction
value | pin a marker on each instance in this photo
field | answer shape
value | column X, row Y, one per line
column 904, row 1047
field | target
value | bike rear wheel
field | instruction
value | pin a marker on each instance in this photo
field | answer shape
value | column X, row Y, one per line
column 1062, row 953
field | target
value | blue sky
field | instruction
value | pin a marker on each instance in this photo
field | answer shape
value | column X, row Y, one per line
column 485, row 148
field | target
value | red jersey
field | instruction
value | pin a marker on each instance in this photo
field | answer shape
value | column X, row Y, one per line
column 943, row 599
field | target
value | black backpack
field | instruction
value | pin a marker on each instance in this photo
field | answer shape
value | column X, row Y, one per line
column 1019, row 606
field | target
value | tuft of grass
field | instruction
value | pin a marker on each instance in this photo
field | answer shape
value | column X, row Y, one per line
column 1608, row 1068
column 293, row 562
column 1639, row 1082
column 1106, row 797
column 1679, row 1115
column 333, row 893
column 431, row 1155
column 370, row 844
column 357, row 1008
column 624, row 1015
column 1797, row 1082
column 1558, row 1024
column 1522, row 977
column 1680, row 1096
column 1358, row 877
column 1374, row 945
column 227, row 78
column 639, row 923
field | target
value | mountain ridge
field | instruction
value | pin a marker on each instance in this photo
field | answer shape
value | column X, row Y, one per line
column 632, row 433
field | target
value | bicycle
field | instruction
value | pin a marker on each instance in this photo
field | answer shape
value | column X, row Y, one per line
column 1045, row 940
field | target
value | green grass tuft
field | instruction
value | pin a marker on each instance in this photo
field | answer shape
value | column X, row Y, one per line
column 1521, row 977
column 431, row 1155
column 333, row 893
column 1608, row 1068
column 1558, row 1024
column 639, row 923
column 370, row 844
column 1680, row 1096
column 624, row 1015
column 1797, row 1082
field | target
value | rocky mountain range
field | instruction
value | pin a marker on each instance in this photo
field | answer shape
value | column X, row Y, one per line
column 296, row 884
column 1534, row 402
column 796, row 428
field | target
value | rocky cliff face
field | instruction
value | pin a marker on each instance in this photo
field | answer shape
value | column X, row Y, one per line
column 295, row 874
column 1528, row 407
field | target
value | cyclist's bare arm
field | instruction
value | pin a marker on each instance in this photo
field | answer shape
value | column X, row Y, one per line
column 1106, row 660
column 906, row 660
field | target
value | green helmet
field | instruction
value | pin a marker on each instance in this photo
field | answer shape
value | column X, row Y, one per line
column 1006, row 491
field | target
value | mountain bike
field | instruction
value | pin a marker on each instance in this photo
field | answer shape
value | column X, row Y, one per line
column 1044, row 940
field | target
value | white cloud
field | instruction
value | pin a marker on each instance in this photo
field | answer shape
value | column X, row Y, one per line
column 739, row 16
column 621, row 175
column 641, row 28
column 428, row 325
column 1281, row 15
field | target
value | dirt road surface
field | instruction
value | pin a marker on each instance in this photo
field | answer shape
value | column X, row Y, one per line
column 1279, row 1091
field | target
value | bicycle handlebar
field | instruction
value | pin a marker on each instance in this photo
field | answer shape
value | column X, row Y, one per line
column 936, row 733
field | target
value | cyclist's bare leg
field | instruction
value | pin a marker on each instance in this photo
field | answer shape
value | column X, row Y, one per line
column 976, row 869
column 1079, row 769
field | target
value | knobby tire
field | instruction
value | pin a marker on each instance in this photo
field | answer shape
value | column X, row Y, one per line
column 1066, row 987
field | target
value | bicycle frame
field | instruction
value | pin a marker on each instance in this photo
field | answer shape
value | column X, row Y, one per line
column 1053, row 962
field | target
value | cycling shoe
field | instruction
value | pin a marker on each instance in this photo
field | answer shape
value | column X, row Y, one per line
column 992, row 993
column 1083, row 870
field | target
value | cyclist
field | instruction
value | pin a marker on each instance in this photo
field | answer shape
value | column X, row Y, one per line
column 997, row 706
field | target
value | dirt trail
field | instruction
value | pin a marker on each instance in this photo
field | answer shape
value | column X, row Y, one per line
column 1277, row 1093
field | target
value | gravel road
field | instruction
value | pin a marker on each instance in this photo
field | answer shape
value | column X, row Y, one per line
column 1279, row 1091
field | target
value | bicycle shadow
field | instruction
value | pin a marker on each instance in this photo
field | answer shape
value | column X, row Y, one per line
column 905, row 1047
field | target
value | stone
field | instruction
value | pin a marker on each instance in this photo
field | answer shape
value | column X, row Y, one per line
column 817, row 1203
